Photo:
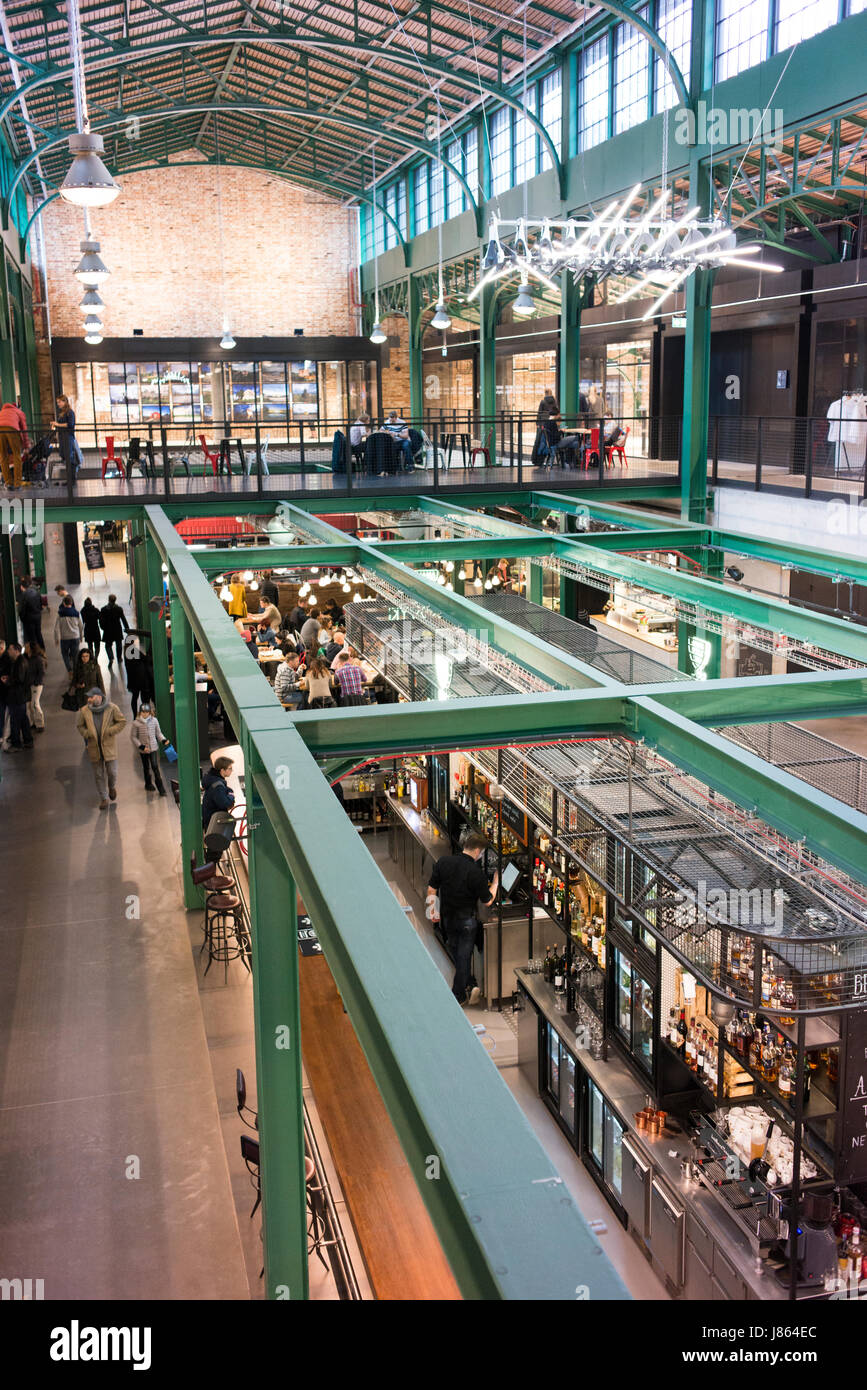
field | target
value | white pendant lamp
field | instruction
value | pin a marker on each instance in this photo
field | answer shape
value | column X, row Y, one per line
column 227, row 342
column 524, row 306
column 441, row 321
column 93, row 339
column 91, row 269
column 377, row 336
column 88, row 183
column 92, row 324
column 91, row 303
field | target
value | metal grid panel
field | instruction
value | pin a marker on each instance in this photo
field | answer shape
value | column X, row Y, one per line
column 598, row 651
column 834, row 770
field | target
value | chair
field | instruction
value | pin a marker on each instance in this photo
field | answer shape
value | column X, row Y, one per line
column 618, row 449
column 241, row 1097
column 383, row 454
column 338, row 452
column 417, row 444
column 210, row 457
column 479, row 448
column 591, row 453
column 110, row 457
column 317, row 1233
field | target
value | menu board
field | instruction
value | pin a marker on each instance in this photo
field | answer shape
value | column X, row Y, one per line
column 515, row 819
column 853, row 1102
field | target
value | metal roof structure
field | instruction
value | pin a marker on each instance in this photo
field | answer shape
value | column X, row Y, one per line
column 303, row 90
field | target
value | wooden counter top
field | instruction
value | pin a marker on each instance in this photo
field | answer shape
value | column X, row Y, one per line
column 402, row 1253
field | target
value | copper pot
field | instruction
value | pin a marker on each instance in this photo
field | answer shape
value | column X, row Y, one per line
column 641, row 1120
column 653, row 1125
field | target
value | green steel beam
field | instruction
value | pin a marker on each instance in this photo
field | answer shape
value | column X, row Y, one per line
column 187, row 745
column 277, row 1026
column 411, row 552
column 833, row 634
column 496, row 1203
column 585, row 504
column 485, row 721
column 762, row 699
column 506, row 1226
column 158, row 644
column 803, row 557
column 677, row 538
column 800, row 811
column 245, row 557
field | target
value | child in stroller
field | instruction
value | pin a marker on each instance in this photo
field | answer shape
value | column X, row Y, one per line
column 35, row 461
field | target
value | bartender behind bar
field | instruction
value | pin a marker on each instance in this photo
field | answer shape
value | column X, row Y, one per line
column 462, row 883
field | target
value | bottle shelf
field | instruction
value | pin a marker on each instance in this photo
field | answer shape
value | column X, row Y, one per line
column 815, row 1108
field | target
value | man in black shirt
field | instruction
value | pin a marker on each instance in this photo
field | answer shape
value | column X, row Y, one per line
column 268, row 589
column 461, row 883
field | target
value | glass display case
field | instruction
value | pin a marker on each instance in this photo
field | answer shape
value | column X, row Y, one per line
column 303, row 390
column 602, row 1147
column 633, row 1010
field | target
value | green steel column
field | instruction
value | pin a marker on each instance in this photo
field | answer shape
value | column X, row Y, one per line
column 696, row 369
column 159, row 645
column 7, row 584
column 570, row 336
column 704, row 663
column 487, row 365
column 416, row 376
column 187, row 745
column 140, row 578
column 535, row 584
column 39, row 561
column 568, row 588
column 277, row 1025
column 7, row 360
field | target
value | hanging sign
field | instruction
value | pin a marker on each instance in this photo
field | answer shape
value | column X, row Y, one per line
column 853, row 1098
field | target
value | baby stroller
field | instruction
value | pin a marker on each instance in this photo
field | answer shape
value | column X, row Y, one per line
column 35, row 462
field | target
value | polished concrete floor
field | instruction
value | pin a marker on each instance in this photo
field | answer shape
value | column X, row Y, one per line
column 114, row 1180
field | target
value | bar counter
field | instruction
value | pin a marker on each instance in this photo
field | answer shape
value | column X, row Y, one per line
column 733, row 1270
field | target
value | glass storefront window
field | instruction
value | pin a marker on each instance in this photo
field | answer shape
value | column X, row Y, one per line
column 210, row 391
column 273, row 392
column 332, row 391
column 76, row 384
column 117, row 392
column 149, row 392
column 449, row 385
column 176, row 392
column 241, row 392
column 523, row 379
column 305, row 400
column 362, row 389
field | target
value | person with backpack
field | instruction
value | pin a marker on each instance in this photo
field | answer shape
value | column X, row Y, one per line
column 92, row 629
column 99, row 723
column 112, row 620
column 148, row 736
column 68, row 631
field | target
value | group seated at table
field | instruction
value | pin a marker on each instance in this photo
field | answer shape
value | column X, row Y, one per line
column 393, row 447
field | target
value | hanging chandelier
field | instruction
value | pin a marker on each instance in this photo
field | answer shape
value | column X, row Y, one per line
column 659, row 249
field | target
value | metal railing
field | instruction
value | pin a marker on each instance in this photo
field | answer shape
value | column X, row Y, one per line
column 793, row 455
column 313, row 456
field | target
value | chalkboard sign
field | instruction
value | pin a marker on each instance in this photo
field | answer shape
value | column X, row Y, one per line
column 853, row 1102
column 515, row 819
column 92, row 548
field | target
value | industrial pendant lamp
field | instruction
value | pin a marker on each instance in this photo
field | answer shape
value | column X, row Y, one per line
column 93, row 339
column 91, row 270
column 91, row 302
column 92, row 324
column 88, row 184
column 227, row 342
column 524, row 306
column 440, row 321
column 377, row 335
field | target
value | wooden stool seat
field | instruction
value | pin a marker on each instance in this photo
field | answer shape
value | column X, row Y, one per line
column 220, row 883
column 223, row 902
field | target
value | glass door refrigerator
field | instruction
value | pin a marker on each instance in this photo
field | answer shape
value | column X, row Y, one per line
column 602, row 1146
column 560, row 1076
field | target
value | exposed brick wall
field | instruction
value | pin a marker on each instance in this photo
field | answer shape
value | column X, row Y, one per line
column 161, row 242
column 395, row 377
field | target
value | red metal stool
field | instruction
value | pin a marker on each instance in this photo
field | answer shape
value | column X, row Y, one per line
column 210, row 457
column 111, row 457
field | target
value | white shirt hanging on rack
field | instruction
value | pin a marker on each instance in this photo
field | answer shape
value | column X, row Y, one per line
column 854, row 429
column 835, row 415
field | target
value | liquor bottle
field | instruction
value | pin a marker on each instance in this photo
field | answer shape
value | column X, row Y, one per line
column 776, row 985
column 808, row 1079
column 766, row 987
column 689, row 1047
column 710, row 1065
column 699, row 1053
column 546, row 968
column 601, row 952
column 682, row 1032
column 755, row 1050
column 670, row 1033
column 560, row 976
column 785, row 1077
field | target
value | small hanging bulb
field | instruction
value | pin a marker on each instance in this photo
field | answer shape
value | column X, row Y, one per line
column 378, row 336
column 450, row 566
column 356, row 598
column 478, row 581
column 314, row 569
column 227, row 342
column 495, row 580
column 462, row 574
column 225, row 593
column 488, row 584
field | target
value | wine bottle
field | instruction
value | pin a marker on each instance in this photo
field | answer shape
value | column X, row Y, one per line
column 682, row 1031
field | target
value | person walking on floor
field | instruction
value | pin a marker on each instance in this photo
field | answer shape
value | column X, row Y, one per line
column 67, row 443
column 92, row 629
column 13, row 442
column 36, row 674
column 99, row 723
column 17, row 683
column 139, row 672
column 112, row 620
column 68, row 631
column 148, row 736
column 30, row 613
column 462, row 883
column 85, row 676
